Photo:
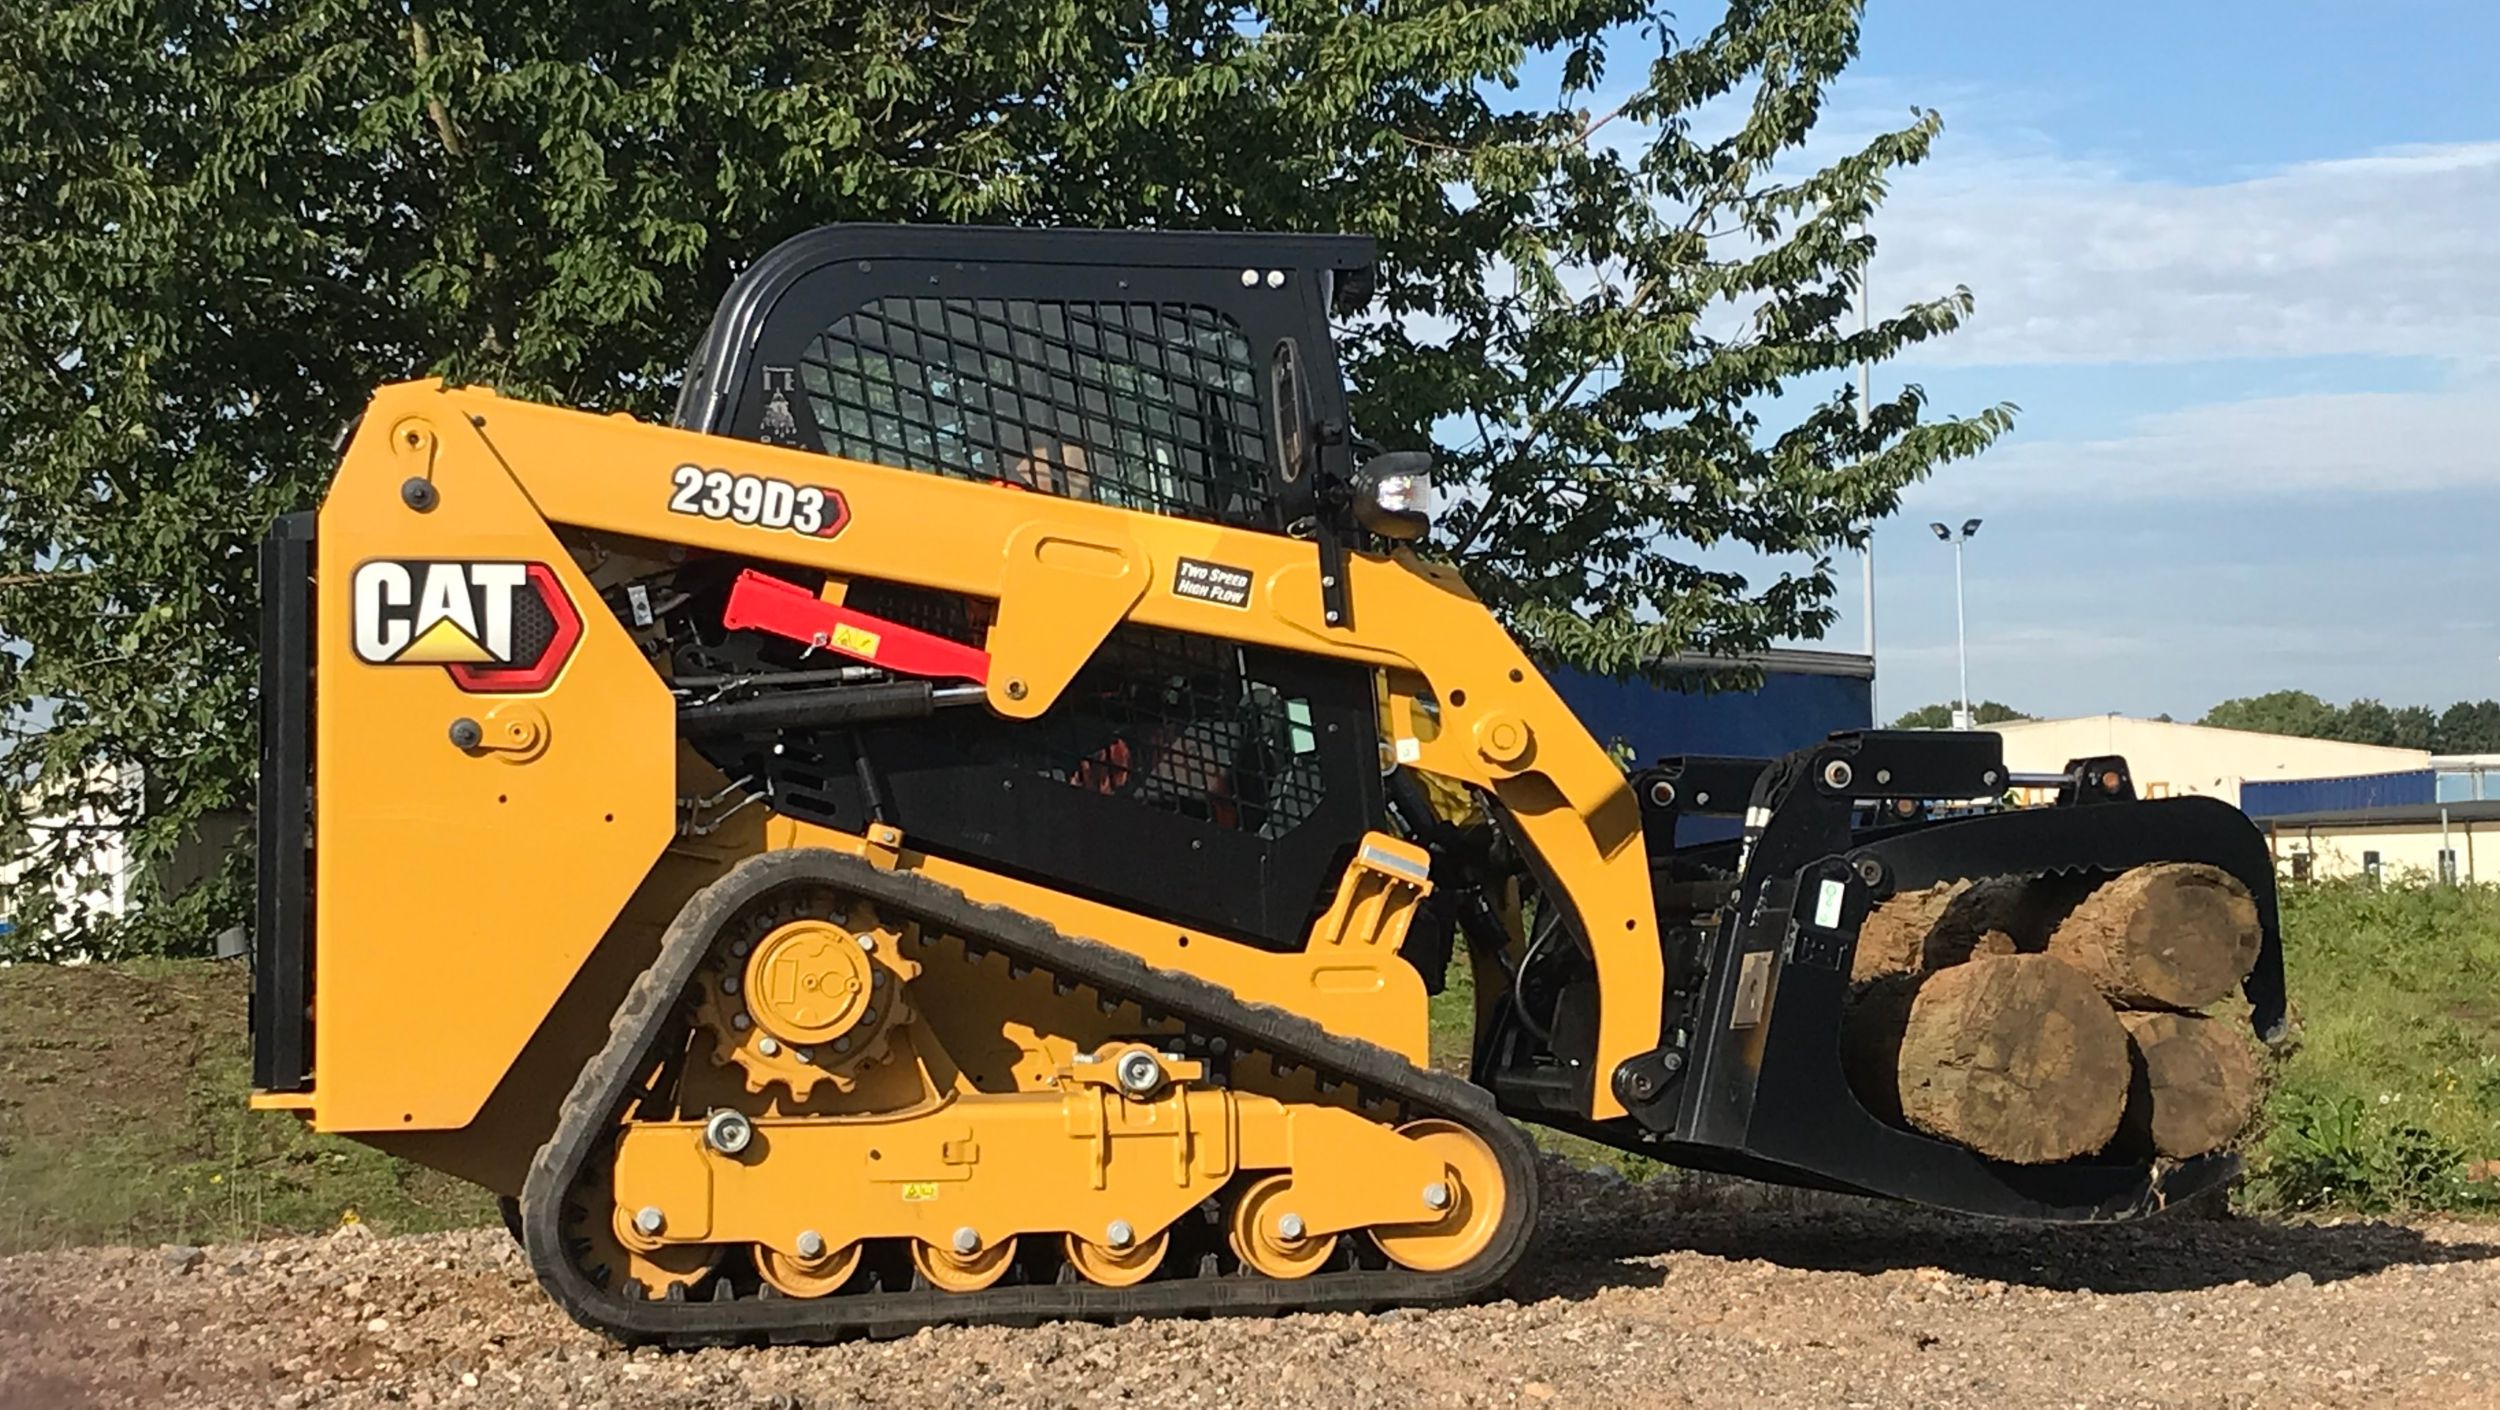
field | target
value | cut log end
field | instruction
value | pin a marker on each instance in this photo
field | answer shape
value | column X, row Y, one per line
column 2016, row 1057
column 2176, row 935
column 2195, row 1083
column 1894, row 938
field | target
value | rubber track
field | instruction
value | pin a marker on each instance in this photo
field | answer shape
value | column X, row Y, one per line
column 1205, row 1009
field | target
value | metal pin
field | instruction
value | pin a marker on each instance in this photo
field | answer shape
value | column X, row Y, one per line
column 967, row 1240
column 1119, row 1235
column 650, row 1220
column 1437, row 1195
column 1289, row 1227
column 811, row 1244
column 767, row 1046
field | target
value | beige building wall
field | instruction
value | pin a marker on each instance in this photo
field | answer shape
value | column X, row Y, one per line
column 2172, row 759
column 2404, row 849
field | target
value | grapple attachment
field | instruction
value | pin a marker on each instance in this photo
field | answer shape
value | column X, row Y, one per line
column 1751, row 1079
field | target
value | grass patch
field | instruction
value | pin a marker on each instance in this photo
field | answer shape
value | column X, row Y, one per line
column 2387, row 1096
column 122, row 1120
column 122, row 1088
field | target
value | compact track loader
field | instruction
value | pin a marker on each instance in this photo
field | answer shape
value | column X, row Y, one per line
column 963, row 824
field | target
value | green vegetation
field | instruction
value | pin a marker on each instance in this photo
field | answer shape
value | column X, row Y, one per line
column 2388, row 1097
column 2466, row 727
column 122, row 1114
column 122, row 1120
column 1940, row 716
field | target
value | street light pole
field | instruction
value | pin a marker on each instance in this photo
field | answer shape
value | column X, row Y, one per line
column 1961, row 631
column 1866, row 554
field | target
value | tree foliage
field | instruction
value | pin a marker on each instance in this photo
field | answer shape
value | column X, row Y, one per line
column 1940, row 715
column 2467, row 727
column 1618, row 307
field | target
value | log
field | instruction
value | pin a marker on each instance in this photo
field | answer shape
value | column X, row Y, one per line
column 2195, row 1083
column 2015, row 1056
column 1947, row 923
column 2177, row 935
column 1894, row 938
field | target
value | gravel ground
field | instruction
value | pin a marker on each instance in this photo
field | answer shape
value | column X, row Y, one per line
column 1634, row 1299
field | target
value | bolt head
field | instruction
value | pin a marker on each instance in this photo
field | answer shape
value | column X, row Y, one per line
column 805, row 1054
column 1289, row 1227
column 740, row 1022
column 811, row 1244
column 728, row 1132
column 1437, row 1195
column 650, row 1220
column 1838, row 774
column 768, row 1046
column 1139, row 1073
column 967, row 1240
column 868, row 942
column 729, row 984
column 1119, row 1235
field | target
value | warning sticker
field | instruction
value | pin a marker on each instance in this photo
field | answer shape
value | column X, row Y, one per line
column 915, row 1191
column 1211, row 582
column 851, row 639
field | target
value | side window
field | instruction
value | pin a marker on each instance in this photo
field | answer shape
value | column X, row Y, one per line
column 1151, row 406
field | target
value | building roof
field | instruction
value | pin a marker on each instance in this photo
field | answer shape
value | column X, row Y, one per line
column 1782, row 660
column 2402, row 815
column 2181, row 728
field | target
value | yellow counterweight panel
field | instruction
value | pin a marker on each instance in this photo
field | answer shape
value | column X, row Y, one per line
column 458, row 890
column 1503, row 727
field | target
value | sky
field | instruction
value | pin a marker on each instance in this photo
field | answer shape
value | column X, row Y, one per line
column 2239, row 265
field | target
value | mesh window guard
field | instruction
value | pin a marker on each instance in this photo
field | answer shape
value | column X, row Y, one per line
column 1140, row 405
column 1175, row 723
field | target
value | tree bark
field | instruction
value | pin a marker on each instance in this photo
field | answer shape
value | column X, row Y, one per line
column 2176, row 935
column 1894, row 938
column 2015, row 1056
column 2195, row 1083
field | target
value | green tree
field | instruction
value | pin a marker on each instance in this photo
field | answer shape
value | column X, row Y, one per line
column 1940, row 716
column 2417, row 727
column 2364, row 721
column 2470, row 727
column 225, row 220
column 2293, row 712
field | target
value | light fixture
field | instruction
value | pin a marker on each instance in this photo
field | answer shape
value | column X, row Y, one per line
column 1393, row 494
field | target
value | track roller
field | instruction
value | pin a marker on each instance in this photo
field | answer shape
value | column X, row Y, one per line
column 1469, row 1199
column 1117, row 1267
column 963, row 1272
column 1268, row 1235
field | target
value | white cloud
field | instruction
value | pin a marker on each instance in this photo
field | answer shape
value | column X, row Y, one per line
column 2310, row 446
column 2078, row 260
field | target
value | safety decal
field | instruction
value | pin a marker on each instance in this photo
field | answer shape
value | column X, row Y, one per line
column 759, row 500
column 1211, row 582
column 496, row 627
column 919, row 1191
